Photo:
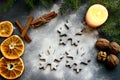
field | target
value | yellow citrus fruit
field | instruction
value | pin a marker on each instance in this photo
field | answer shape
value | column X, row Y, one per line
column 11, row 69
column 6, row 28
column 12, row 47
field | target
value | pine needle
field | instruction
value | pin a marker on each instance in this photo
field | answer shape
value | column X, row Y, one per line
column 47, row 3
column 7, row 5
column 30, row 3
column 69, row 5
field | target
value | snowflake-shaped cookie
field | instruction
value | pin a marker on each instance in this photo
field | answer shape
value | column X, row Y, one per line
column 69, row 33
column 76, row 59
column 51, row 58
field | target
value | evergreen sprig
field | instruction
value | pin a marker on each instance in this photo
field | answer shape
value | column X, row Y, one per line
column 69, row 5
column 30, row 3
column 7, row 5
column 47, row 3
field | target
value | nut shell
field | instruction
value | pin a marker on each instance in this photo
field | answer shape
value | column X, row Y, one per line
column 114, row 48
column 101, row 56
column 112, row 60
column 102, row 44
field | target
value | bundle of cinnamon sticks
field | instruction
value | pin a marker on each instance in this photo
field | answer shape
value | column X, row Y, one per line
column 36, row 23
column 43, row 19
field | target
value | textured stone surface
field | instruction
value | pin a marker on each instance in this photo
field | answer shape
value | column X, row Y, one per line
column 47, row 35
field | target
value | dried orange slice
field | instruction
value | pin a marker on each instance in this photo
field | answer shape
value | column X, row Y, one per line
column 12, row 47
column 11, row 69
column 6, row 28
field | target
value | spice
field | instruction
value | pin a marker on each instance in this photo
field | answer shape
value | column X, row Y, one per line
column 25, row 29
column 27, row 37
column 43, row 19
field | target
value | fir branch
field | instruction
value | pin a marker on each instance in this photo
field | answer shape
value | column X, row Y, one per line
column 47, row 3
column 7, row 5
column 69, row 5
column 31, row 3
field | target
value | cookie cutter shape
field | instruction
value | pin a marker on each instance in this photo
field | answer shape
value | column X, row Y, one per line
column 51, row 58
column 71, row 33
column 76, row 59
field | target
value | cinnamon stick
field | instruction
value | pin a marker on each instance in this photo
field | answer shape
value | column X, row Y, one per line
column 27, row 38
column 43, row 19
column 25, row 29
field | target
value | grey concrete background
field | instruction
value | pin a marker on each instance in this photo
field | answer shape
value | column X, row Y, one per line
column 47, row 35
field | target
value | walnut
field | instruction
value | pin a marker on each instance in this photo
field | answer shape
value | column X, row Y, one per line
column 112, row 61
column 102, row 44
column 102, row 56
column 114, row 48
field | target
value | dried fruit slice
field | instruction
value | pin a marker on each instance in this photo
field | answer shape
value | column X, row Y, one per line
column 6, row 29
column 11, row 69
column 12, row 47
